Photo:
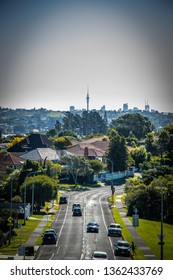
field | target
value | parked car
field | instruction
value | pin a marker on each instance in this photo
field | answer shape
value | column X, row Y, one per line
column 99, row 255
column 63, row 199
column 49, row 238
column 93, row 227
column 122, row 248
column 76, row 205
column 114, row 231
column 77, row 211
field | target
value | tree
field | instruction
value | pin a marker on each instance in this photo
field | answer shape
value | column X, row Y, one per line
column 75, row 166
column 166, row 144
column 145, row 195
column 117, row 152
column 97, row 165
column 14, row 141
column 62, row 143
column 139, row 155
column 45, row 189
column 28, row 166
column 132, row 123
column 51, row 132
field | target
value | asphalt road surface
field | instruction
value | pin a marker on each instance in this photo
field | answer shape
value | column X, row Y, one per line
column 74, row 243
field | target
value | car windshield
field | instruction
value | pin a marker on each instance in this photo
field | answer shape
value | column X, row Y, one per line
column 122, row 244
column 100, row 256
column 115, row 226
column 92, row 224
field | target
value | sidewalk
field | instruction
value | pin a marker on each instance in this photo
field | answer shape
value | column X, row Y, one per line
column 31, row 241
column 148, row 254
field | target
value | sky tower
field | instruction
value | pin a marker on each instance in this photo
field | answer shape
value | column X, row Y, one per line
column 87, row 99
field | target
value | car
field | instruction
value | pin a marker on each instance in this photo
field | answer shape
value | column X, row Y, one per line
column 51, row 230
column 93, row 227
column 114, row 225
column 75, row 205
column 49, row 238
column 114, row 231
column 99, row 255
column 63, row 199
column 122, row 248
column 77, row 211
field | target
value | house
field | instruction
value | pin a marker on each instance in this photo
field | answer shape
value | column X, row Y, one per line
column 41, row 154
column 8, row 160
column 31, row 142
column 91, row 149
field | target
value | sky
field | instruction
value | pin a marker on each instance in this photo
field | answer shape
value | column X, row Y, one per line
column 51, row 51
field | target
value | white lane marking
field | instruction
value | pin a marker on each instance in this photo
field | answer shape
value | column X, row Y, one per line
column 60, row 232
column 110, row 241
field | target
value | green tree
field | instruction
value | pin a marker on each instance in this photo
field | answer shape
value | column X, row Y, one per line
column 139, row 154
column 117, row 152
column 166, row 144
column 62, row 143
column 97, row 165
column 164, row 139
column 75, row 166
column 132, row 123
column 51, row 132
column 45, row 189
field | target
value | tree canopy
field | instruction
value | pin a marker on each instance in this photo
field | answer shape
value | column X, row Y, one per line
column 117, row 152
column 75, row 166
column 146, row 197
column 132, row 123
column 45, row 189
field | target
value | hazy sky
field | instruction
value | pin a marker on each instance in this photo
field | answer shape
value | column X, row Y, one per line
column 50, row 51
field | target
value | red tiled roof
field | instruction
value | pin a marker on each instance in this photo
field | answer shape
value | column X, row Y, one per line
column 9, row 160
column 95, row 149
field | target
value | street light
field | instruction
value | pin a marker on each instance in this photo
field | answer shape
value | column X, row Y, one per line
column 25, row 195
column 112, row 185
column 32, row 203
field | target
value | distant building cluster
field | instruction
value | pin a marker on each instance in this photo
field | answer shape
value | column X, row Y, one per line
column 23, row 121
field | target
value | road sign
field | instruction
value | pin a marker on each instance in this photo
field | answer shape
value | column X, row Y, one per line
column 10, row 219
column 135, row 220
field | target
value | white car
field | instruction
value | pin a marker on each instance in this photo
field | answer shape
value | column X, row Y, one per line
column 114, row 225
column 99, row 255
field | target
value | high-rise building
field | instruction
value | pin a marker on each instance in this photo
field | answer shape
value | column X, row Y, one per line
column 72, row 109
column 147, row 107
column 125, row 107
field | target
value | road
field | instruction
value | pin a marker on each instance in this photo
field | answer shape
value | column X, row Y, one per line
column 74, row 243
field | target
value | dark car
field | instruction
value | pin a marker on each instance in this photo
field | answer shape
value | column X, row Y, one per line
column 93, row 227
column 122, row 248
column 51, row 230
column 76, row 205
column 49, row 238
column 63, row 200
column 77, row 211
column 114, row 231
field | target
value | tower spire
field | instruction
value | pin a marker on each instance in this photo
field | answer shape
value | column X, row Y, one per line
column 87, row 99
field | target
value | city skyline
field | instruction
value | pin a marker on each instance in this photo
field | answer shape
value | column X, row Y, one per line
column 51, row 53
